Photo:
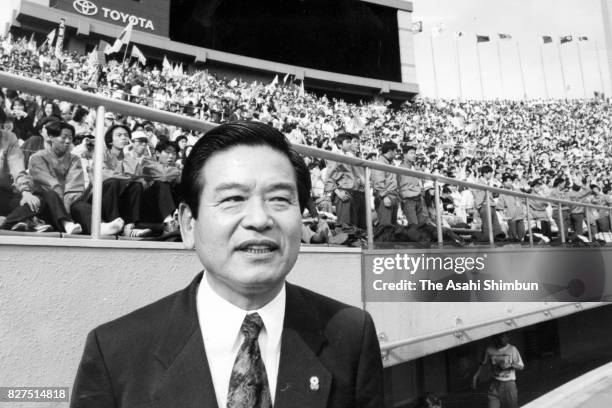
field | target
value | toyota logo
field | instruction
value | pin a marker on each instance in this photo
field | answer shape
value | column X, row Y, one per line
column 85, row 7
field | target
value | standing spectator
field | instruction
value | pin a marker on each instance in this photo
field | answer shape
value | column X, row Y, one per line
column 345, row 187
column 560, row 191
column 384, row 184
column 486, row 176
column 539, row 209
column 411, row 189
column 504, row 359
column 514, row 210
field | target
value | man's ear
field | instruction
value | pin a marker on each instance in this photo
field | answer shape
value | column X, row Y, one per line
column 187, row 222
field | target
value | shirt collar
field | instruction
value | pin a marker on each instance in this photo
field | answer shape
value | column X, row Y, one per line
column 221, row 320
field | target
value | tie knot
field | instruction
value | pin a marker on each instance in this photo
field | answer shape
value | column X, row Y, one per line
column 251, row 325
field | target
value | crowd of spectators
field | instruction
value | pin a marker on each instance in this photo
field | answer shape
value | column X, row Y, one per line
column 554, row 148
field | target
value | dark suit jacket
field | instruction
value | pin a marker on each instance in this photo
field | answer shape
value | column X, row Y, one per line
column 155, row 357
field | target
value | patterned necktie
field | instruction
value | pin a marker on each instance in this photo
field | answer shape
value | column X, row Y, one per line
column 248, row 386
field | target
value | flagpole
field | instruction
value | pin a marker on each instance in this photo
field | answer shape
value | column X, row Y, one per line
column 433, row 59
column 601, row 81
column 518, row 53
column 581, row 68
column 544, row 71
column 480, row 71
column 458, row 67
column 499, row 61
column 125, row 54
column 562, row 70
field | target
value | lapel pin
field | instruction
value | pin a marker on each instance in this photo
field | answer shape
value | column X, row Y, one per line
column 314, row 383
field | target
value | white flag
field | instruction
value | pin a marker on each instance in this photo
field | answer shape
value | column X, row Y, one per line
column 136, row 53
column 123, row 39
column 166, row 66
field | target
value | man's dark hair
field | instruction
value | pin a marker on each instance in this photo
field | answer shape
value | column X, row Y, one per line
column 408, row 148
column 558, row 181
column 108, row 136
column 486, row 169
column 164, row 144
column 54, row 129
column 342, row 137
column 232, row 134
column 45, row 121
column 388, row 146
column 79, row 114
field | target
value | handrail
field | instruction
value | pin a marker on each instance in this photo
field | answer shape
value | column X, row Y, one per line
column 38, row 87
column 459, row 329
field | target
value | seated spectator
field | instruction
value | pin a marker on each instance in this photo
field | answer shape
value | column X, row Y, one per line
column 163, row 177
column 39, row 140
column 23, row 123
column 123, row 181
column 18, row 204
column 79, row 121
column 58, row 177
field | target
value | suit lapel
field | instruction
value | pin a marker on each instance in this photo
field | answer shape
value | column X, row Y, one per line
column 185, row 380
column 302, row 380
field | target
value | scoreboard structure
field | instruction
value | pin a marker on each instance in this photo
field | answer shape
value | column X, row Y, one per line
column 356, row 48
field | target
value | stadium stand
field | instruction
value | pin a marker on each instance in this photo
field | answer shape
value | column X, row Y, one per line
column 558, row 149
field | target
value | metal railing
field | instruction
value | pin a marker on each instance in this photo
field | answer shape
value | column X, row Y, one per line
column 102, row 104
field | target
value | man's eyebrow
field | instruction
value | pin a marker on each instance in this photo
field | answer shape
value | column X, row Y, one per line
column 230, row 186
column 282, row 186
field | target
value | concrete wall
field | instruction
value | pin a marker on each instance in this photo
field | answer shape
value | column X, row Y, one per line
column 52, row 296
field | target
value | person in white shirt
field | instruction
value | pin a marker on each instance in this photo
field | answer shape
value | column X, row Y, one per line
column 504, row 359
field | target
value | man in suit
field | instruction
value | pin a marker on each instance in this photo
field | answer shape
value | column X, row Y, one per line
column 238, row 335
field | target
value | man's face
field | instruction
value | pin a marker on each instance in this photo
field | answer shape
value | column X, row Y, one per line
column 138, row 147
column 66, row 114
column 120, row 138
column 62, row 143
column 355, row 145
column 410, row 155
column 346, row 145
column 248, row 230
column 167, row 156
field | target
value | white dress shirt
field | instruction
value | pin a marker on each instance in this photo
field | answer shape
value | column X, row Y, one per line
column 220, row 322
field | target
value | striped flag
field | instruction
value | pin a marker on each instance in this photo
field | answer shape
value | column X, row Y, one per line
column 123, row 39
column 482, row 38
column 547, row 39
